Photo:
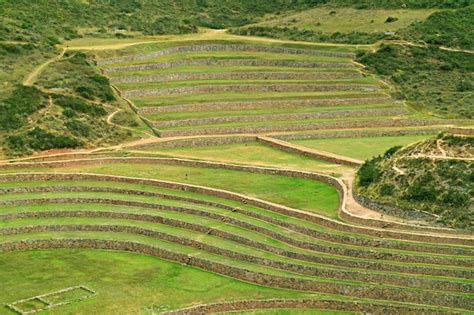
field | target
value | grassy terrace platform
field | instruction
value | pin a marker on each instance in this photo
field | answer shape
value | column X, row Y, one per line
column 217, row 241
column 209, row 214
column 196, row 74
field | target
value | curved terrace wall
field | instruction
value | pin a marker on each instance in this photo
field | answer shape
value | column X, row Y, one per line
column 224, row 47
column 347, row 252
column 305, row 127
column 241, row 198
column 400, row 280
column 281, row 117
column 365, row 291
column 231, row 62
column 302, row 304
column 238, row 76
column 265, row 104
column 336, row 238
column 241, row 88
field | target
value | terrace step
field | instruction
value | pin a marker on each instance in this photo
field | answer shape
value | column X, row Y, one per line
column 237, row 76
column 317, row 154
column 231, row 62
column 242, row 88
column 285, row 128
column 281, row 117
column 224, row 47
column 216, row 106
column 253, row 273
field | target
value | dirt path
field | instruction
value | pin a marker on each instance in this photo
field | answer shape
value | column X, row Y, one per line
column 30, row 79
column 439, row 144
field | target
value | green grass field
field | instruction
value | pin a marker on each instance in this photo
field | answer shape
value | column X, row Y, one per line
column 179, row 233
column 146, row 283
column 360, row 148
column 345, row 20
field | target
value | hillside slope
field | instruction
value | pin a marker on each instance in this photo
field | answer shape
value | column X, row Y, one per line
column 431, row 179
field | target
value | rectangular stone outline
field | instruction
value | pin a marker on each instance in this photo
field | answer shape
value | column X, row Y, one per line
column 43, row 298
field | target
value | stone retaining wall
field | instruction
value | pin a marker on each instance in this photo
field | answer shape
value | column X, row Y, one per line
column 324, row 156
column 281, row 117
column 231, row 63
column 324, row 248
column 347, row 124
column 393, row 211
column 321, row 220
column 224, row 47
column 360, row 133
column 344, row 239
column 383, row 99
column 304, row 304
column 467, row 131
column 362, row 291
column 237, row 76
column 399, row 280
column 244, row 88
column 197, row 142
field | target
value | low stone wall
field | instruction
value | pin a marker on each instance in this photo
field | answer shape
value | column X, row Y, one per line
column 238, row 76
column 239, row 197
column 224, row 47
column 360, row 133
column 362, row 291
column 399, row 280
column 467, row 131
column 281, row 117
column 337, row 238
column 322, row 248
column 383, row 99
column 304, row 304
column 244, row 88
column 230, row 63
column 196, row 142
column 324, row 156
column 385, row 123
column 393, row 211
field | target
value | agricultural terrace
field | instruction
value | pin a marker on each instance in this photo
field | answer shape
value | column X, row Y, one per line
column 243, row 203
column 239, row 87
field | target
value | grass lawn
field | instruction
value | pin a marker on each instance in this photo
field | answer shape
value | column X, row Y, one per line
column 345, row 20
column 227, row 55
column 360, row 148
column 263, row 111
column 250, row 96
column 205, row 82
column 294, row 192
column 249, row 153
column 135, row 284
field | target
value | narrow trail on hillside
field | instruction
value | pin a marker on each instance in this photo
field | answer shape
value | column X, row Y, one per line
column 30, row 79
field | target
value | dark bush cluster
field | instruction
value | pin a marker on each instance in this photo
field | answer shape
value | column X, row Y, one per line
column 73, row 104
column 24, row 101
column 310, row 36
column 38, row 140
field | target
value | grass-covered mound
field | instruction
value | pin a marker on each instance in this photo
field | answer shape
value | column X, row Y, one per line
column 434, row 176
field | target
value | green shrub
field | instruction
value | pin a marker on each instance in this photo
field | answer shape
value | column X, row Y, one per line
column 38, row 140
column 24, row 101
column 391, row 19
column 368, row 173
column 78, row 105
